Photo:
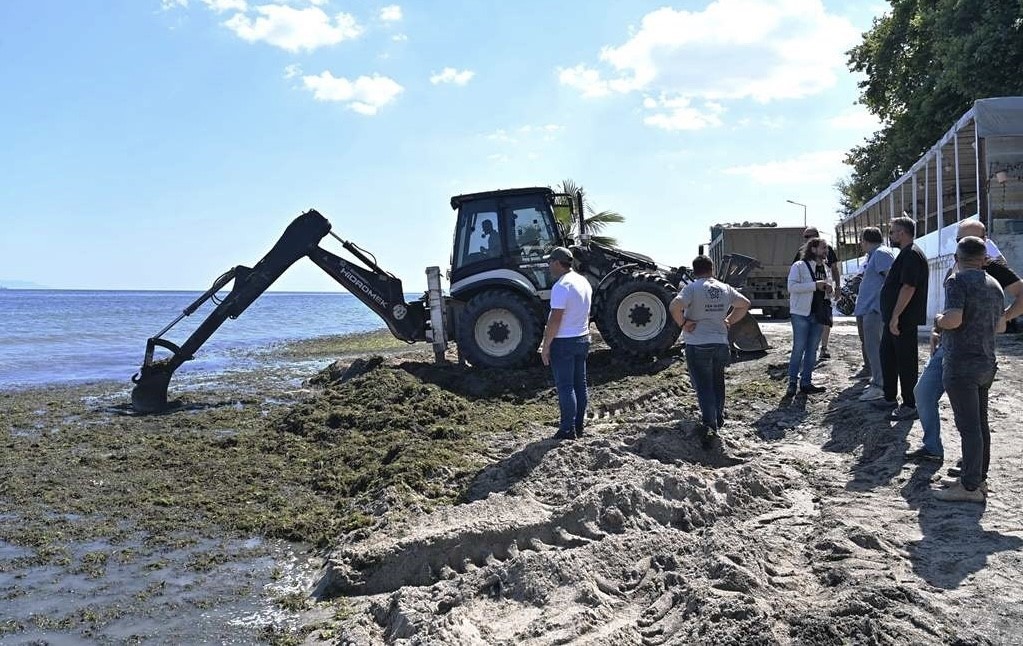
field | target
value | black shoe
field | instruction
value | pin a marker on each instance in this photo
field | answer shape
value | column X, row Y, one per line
column 579, row 433
column 810, row 389
column 564, row 435
column 791, row 392
column 955, row 472
column 903, row 413
column 884, row 403
column 707, row 438
column 925, row 455
column 824, row 355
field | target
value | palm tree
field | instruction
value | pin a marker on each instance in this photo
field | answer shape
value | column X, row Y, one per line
column 595, row 221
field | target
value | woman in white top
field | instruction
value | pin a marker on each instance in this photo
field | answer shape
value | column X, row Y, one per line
column 807, row 276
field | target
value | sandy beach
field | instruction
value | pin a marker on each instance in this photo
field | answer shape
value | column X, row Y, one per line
column 384, row 499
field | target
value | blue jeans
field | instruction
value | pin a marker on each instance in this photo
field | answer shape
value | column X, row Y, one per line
column 706, row 364
column 929, row 389
column 806, row 334
column 568, row 364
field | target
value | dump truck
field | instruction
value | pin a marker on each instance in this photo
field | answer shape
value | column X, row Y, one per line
column 774, row 247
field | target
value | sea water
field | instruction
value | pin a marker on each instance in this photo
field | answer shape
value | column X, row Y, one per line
column 66, row 336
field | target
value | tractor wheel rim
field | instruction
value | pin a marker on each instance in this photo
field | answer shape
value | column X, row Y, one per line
column 498, row 332
column 641, row 316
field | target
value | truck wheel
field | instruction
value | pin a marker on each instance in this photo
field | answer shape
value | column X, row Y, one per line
column 633, row 317
column 498, row 329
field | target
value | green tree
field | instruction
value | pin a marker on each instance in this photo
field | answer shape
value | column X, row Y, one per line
column 925, row 62
column 596, row 221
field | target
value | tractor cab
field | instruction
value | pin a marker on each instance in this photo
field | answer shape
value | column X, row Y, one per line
column 503, row 236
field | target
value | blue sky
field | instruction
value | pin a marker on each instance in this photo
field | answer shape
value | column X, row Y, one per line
column 153, row 144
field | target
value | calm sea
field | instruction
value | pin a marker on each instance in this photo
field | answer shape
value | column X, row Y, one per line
column 61, row 336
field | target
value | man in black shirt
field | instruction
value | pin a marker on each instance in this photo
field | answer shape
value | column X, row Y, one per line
column 832, row 262
column 903, row 308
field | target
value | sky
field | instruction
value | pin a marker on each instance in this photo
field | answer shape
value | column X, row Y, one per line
column 154, row 144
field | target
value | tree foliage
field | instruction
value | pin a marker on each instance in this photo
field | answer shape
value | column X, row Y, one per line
column 926, row 62
column 596, row 221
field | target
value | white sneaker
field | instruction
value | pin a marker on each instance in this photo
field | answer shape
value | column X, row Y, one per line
column 871, row 393
column 959, row 493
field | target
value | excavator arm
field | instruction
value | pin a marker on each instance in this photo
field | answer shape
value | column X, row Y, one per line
column 378, row 289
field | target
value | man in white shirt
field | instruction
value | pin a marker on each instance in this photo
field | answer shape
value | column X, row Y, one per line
column 705, row 309
column 566, row 341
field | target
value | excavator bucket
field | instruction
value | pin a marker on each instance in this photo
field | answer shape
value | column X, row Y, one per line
column 744, row 335
column 150, row 392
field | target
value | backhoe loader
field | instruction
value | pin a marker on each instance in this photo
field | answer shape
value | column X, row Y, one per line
column 498, row 297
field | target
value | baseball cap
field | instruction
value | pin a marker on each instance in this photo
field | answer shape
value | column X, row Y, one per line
column 561, row 254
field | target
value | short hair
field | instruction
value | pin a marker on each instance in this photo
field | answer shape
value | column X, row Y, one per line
column 907, row 224
column 703, row 265
column 971, row 249
column 872, row 235
column 812, row 243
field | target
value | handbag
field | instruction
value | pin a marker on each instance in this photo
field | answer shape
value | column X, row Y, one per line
column 820, row 307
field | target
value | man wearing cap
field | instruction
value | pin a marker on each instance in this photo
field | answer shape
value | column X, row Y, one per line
column 832, row 262
column 566, row 341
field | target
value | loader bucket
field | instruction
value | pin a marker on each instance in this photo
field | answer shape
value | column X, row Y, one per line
column 745, row 335
column 150, row 392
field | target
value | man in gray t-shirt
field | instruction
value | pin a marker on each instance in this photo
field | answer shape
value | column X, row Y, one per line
column 973, row 315
column 705, row 309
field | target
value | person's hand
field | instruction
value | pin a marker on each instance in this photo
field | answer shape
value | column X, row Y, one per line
column 828, row 289
column 821, row 284
column 893, row 327
column 689, row 325
column 935, row 341
column 545, row 355
column 1002, row 324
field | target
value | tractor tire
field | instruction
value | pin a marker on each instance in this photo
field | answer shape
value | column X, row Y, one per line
column 633, row 316
column 499, row 329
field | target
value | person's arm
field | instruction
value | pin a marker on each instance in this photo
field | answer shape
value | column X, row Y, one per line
column 836, row 270
column 549, row 332
column 949, row 319
column 1015, row 292
column 905, row 295
column 677, row 309
column 740, row 306
column 796, row 283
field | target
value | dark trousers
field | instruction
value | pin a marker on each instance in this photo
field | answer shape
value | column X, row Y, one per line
column 706, row 364
column 568, row 364
column 900, row 363
column 968, row 396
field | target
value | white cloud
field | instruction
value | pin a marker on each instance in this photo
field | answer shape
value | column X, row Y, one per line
column 821, row 167
column 761, row 50
column 856, row 118
column 390, row 13
column 679, row 114
column 168, row 5
column 399, row 38
column 294, row 29
column 220, row 6
column 291, row 71
column 365, row 95
column 451, row 75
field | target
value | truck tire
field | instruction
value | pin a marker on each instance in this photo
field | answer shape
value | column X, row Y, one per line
column 633, row 316
column 498, row 329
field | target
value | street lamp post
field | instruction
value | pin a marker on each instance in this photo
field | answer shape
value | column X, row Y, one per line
column 804, row 210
